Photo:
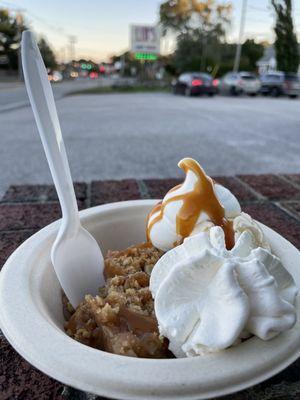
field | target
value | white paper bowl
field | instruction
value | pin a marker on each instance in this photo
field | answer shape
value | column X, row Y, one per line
column 32, row 320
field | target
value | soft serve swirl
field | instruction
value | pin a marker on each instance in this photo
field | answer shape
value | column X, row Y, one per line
column 218, row 281
column 190, row 206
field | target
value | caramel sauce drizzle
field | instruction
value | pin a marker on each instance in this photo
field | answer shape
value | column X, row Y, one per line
column 201, row 199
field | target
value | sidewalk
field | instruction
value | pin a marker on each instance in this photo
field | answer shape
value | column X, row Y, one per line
column 272, row 199
column 13, row 94
column 10, row 84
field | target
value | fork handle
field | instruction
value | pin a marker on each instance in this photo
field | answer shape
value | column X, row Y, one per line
column 44, row 110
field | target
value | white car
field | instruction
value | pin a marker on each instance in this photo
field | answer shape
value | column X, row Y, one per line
column 55, row 76
column 236, row 83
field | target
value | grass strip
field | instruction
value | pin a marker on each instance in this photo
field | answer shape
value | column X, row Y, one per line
column 119, row 89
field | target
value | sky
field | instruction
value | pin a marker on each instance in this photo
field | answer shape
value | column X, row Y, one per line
column 101, row 27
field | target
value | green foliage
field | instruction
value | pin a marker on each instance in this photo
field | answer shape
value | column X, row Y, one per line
column 251, row 53
column 47, row 54
column 183, row 16
column 132, row 64
column 201, row 27
column 11, row 29
column 121, row 89
column 175, row 15
column 196, row 51
column 10, row 36
column 219, row 56
column 286, row 46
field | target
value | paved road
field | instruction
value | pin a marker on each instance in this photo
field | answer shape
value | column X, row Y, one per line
column 13, row 94
column 145, row 135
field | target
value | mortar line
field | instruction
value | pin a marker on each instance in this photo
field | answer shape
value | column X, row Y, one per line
column 143, row 189
column 290, row 181
column 287, row 211
column 250, row 188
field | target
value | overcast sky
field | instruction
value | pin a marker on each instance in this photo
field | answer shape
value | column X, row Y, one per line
column 101, row 27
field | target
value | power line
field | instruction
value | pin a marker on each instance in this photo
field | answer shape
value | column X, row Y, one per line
column 253, row 19
column 13, row 7
column 54, row 28
column 259, row 9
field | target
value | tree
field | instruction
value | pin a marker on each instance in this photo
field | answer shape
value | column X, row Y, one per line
column 47, row 54
column 252, row 52
column 196, row 52
column 219, row 56
column 183, row 16
column 10, row 36
column 286, row 45
column 200, row 28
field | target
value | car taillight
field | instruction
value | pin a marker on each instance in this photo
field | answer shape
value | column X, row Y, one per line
column 93, row 75
column 215, row 82
column 197, row 82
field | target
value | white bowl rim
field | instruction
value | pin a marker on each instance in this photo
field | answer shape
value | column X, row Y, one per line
column 190, row 378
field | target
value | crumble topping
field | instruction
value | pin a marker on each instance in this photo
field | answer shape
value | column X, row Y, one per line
column 121, row 318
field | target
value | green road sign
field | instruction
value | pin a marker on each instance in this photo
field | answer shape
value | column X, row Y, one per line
column 145, row 56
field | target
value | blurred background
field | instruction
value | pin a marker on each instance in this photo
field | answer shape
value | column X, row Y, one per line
column 139, row 85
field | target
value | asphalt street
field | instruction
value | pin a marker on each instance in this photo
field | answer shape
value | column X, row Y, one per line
column 13, row 94
column 144, row 135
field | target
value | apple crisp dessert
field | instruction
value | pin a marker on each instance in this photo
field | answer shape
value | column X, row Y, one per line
column 121, row 318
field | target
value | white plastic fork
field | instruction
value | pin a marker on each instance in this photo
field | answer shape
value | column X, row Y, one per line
column 76, row 256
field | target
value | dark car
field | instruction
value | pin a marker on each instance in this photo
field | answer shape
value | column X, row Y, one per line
column 280, row 83
column 195, row 83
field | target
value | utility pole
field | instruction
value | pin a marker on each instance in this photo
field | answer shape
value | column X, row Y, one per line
column 63, row 55
column 19, row 21
column 72, row 41
column 123, row 65
column 241, row 34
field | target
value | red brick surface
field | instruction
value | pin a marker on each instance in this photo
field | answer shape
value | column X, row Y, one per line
column 25, row 209
column 292, row 206
column 294, row 178
column 111, row 191
column 10, row 240
column 40, row 193
column 272, row 186
column 236, row 187
column 27, row 216
column 20, row 381
column 272, row 216
column 157, row 188
column 15, row 216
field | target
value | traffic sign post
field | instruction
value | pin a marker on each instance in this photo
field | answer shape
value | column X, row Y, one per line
column 145, row 56
column 145, row 45
column 145, row 39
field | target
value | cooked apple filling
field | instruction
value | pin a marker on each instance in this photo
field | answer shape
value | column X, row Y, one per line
column 121, row 318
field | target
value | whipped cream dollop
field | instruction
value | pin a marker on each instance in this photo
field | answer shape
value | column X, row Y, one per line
column 190, row 207
column 207, row 297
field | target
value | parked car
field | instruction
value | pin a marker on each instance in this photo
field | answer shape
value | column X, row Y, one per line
column 236, row 83
column 280, row 83
column 195, row 83
column 55, row 76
